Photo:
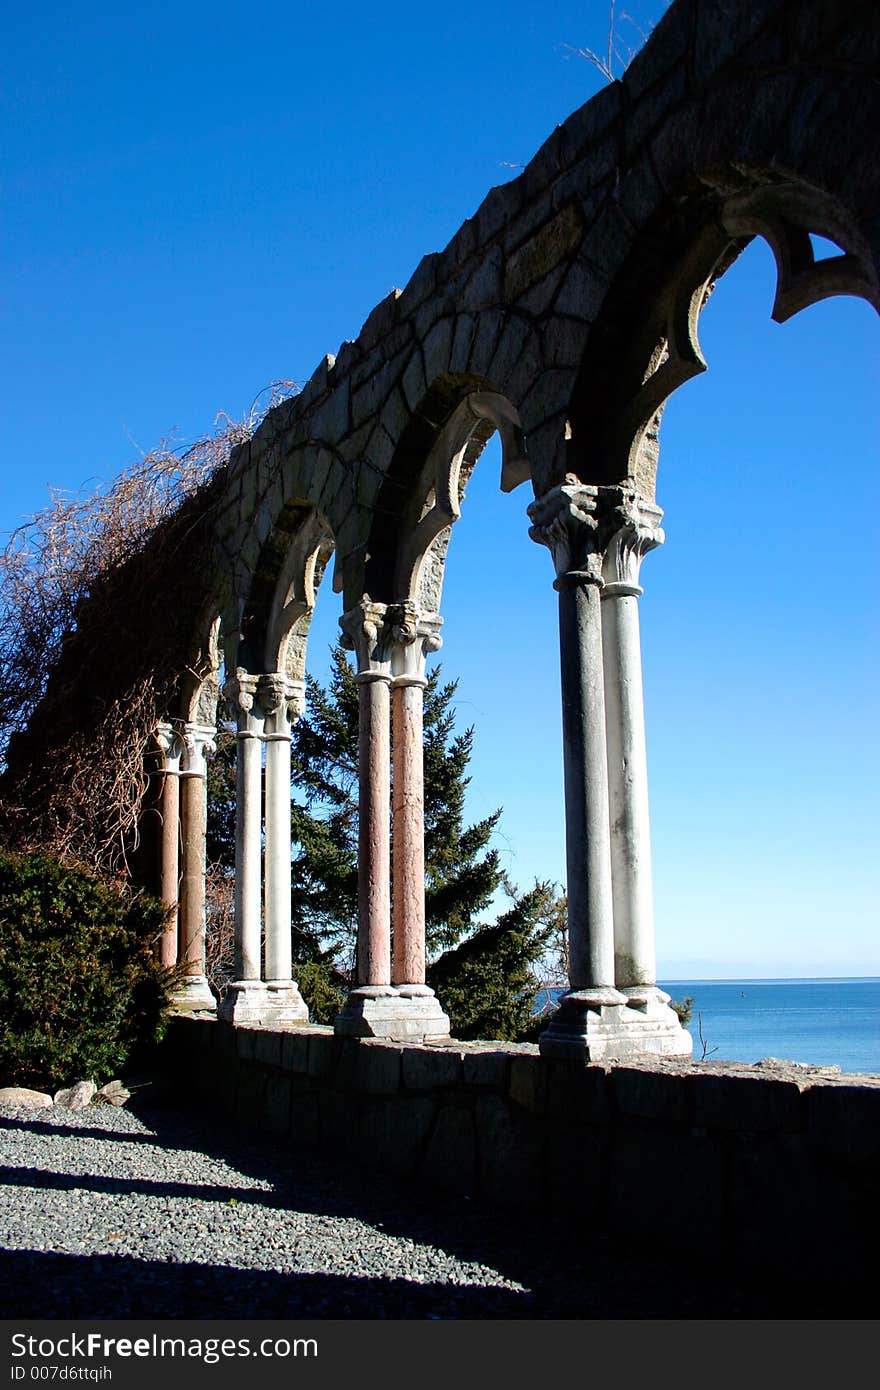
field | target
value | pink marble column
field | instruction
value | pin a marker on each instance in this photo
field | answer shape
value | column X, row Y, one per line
column 195, row 994
column 409, row 832
column 169, row 842
column 374, row 905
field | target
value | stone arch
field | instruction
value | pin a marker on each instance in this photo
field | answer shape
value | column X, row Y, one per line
column 420, row 498
column 646, row 345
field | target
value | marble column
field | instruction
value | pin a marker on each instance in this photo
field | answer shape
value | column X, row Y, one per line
column 390, row 1001
column 169, row 840
column 567, row 520
column 374, row 841
column 634, row 949
column 194, row 995
column 245, row 998
column 608, row 1012
column 282, row 700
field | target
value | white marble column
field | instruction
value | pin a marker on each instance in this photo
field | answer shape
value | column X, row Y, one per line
column 567, row 520
column 613, row 1009
column 245, row 999
column 169, row 840
column 281, row 699
column 634, row 949
column 194, row 995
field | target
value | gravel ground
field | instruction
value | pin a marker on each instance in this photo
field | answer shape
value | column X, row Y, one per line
column 152, row 1212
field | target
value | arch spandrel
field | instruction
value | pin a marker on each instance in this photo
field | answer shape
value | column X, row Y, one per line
column 575, row 290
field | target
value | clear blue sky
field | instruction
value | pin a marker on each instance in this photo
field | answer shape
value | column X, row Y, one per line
column 199, row 199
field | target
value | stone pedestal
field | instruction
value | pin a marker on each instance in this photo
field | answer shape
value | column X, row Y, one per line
column 400, row 1013
column 194, row 996
column 607, row 1025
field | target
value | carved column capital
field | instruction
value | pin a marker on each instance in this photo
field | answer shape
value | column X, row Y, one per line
column 364, row 633
column 282, row 700
column 169, row 745
column 638, row 532
column 412, row 634
column 596, row 535
column 241, row 694
column 197, row 741
column 567, row 520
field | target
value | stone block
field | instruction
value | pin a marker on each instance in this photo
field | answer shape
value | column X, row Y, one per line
column 669, row 41
column 554, row 242
column 449, row 1160
column 668, row 1188
column 413, row 383
column 484, row 287
column 510, row 1148
column 487, row 1069
column 496, row 210
column 323, row 1055
column 722, row 30
column 295, row 1051
column 250, row 1096
column 436, row 348
column 304, row 1127
column 267, row 1048
column 330, row 419
column 337, row 1119
column 577, row 1093
column 652, row 108
column 749, row 1103
column 246, row 1038
column 377, row 1067
column 380, row 320
column 396, row 411
column 393, row 1133
column 489, row 326
column 420, row 285
column 645, row 1094
column 564, row 341
column 345, row 1077
column 511, row 345
column 609, row 239
column 463, row 337
column 844, row 1123
column 575, row 1163
column 592, row 125
column 276, row 1105
column 427, row 1068
column 582, row 293
column 798, row 1217
column 528, row 1084
column 538, row 299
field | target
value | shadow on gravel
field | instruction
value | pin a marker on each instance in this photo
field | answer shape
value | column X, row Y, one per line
column 37, row 1285
column 563, row 1276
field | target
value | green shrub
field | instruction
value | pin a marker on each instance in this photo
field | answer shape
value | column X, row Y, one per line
column 80, row 989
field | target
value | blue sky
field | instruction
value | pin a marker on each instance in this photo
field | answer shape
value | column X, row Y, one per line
column 200, row 199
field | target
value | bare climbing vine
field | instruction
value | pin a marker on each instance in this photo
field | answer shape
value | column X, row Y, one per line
column 92, row 642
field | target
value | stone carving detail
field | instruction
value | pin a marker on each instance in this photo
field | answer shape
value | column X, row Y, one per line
column 628, row 546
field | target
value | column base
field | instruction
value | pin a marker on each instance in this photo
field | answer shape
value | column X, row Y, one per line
column 591, row 1026
column 284, row 1006
column 244, row 1004
column 193, row 996
column 400, row 1013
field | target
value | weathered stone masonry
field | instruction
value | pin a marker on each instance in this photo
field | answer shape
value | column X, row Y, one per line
column 562, row 315
column 771, row 1167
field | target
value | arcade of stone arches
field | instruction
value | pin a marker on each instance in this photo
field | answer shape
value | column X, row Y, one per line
column 562, row 316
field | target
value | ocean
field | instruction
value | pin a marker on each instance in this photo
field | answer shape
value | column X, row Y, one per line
column 828, row 1022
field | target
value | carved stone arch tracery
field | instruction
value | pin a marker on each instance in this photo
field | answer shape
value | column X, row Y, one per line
column 426, row 529
column 641, row 352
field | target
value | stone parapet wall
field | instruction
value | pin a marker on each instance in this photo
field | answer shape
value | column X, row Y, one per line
column 773, row 1166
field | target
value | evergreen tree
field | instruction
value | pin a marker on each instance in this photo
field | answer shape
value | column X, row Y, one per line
column 482, row 970
column 482, row 967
